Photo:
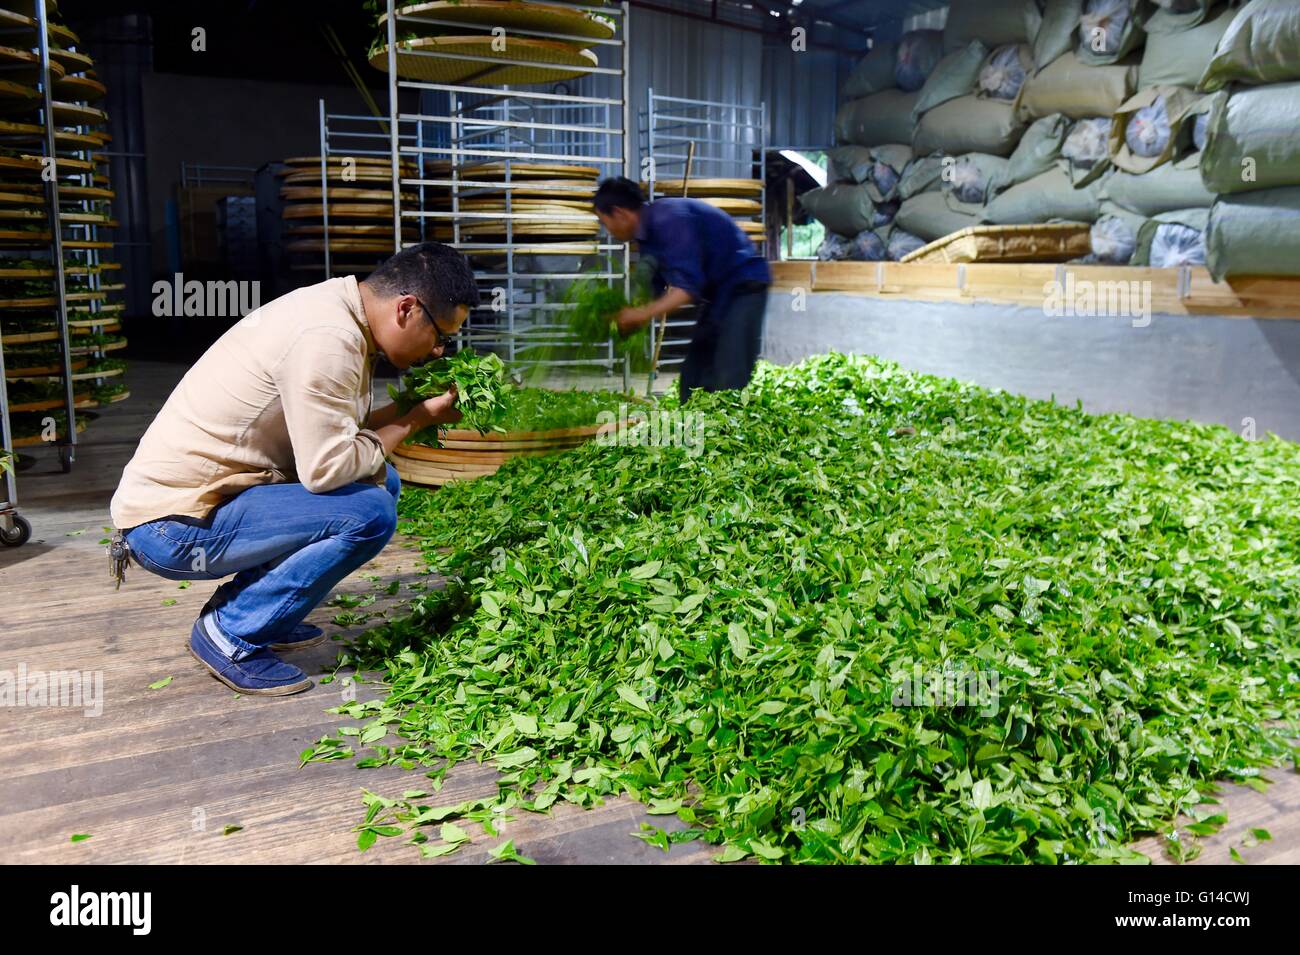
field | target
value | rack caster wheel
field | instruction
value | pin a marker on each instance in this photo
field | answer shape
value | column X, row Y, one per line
column 21, row 533
column 65, row 459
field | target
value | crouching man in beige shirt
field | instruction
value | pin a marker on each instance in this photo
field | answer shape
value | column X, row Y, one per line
column 267, row 461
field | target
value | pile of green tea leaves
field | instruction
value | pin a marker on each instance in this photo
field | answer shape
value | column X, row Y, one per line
column 723, row 636
column 540, row 409
column 478, row 379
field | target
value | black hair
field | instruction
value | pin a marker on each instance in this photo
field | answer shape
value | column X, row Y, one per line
column 618, row 193
column 436, row 274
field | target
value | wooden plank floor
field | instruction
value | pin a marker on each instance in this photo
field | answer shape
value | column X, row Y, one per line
column 160, row 772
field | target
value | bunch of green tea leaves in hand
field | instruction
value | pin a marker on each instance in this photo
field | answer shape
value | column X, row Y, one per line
column 478, row 379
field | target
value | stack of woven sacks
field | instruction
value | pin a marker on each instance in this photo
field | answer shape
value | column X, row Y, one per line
column 1090, row 111
column 1252, row 143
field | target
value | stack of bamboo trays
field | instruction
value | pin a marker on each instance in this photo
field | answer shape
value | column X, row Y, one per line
column 29, row 314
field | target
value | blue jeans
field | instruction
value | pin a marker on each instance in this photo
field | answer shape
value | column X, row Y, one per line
column 286, row 546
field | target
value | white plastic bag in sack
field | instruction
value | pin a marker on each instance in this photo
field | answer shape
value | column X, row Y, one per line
column 1112, row 240
column 1175, row 244
column 1147, row 133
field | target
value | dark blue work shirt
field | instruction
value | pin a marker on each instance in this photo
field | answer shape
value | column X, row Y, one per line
column 698, row 248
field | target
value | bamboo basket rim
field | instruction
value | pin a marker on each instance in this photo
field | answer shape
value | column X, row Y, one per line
column 511, row 13
column 525, row 72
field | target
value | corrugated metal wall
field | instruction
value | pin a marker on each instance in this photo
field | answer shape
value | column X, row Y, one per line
column 695, row 59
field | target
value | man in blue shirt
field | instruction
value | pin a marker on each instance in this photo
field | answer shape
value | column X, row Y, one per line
column 703, row 258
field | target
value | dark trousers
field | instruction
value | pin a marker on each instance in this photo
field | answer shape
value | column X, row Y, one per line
column 724, row 348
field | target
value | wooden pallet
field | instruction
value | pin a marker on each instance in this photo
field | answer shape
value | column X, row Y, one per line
column 1045, row 242
column 1181, row 291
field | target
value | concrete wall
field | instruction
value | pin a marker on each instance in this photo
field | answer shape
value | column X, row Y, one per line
column 1218, row 370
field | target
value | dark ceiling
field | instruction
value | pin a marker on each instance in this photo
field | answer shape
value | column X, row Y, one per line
column 282, row 39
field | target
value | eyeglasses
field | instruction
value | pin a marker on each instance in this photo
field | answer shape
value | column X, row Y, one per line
column 443, row 338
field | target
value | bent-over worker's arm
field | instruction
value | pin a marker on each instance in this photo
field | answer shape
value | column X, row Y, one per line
column 630, row 319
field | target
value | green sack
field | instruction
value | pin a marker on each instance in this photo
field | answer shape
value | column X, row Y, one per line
column 1166, row 18
column 922, row 174
column 1046, row 197
column 1075, row 89
column 1253, row 139
column 850, row 163
column 1179, row 59
column 1169, row 186
column 993, row 22
column 1056, row 36
column 1191, row 218
column 887, row 165
column 955, row 76
column 873, row 73
column 1261, row 46
column 884, row 117
column 969, row 124
column 931, row 216
column 1108, row 31
column 1037, row 152
column 1180, row 106
column 1255, row 233
column 968, row 179
column 842, row 207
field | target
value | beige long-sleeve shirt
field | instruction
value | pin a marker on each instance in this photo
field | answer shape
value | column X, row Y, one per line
column 282, row 396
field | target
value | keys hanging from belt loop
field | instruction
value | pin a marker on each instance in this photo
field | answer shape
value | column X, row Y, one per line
column 119, row 558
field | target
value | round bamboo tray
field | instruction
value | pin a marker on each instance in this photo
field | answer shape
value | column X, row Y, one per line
column 13, row 20
column 412, row 64
column 19, row 239
column 551, row 248
column 81, row 244
column 29, row 338
column 710, row 188
column 340, row 210
column 21, row 199
column 341, row 245
column 75, row 114
column 50, row 404
column 498, row 204
column 24, row 66
column 90, row 375
column 21, row 164
column 36, row 440
column 65, row 138
column 294, row 193
column 363, row 174
column 510, row 15
column 88, row 403
column 314, row 162
column 16, row 97
column 524, row 227
column 71, row 61
column 496, row 170
column 80, row 88
column 40, row 370
column 733, row 206
column 562, row 191
column 466, row 455
column 365, row 228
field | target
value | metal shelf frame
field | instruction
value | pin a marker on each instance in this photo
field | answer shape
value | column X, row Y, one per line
column 459, row 126
column 49, row 148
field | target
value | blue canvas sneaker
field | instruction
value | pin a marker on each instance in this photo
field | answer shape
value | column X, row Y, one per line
column 259, row 674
